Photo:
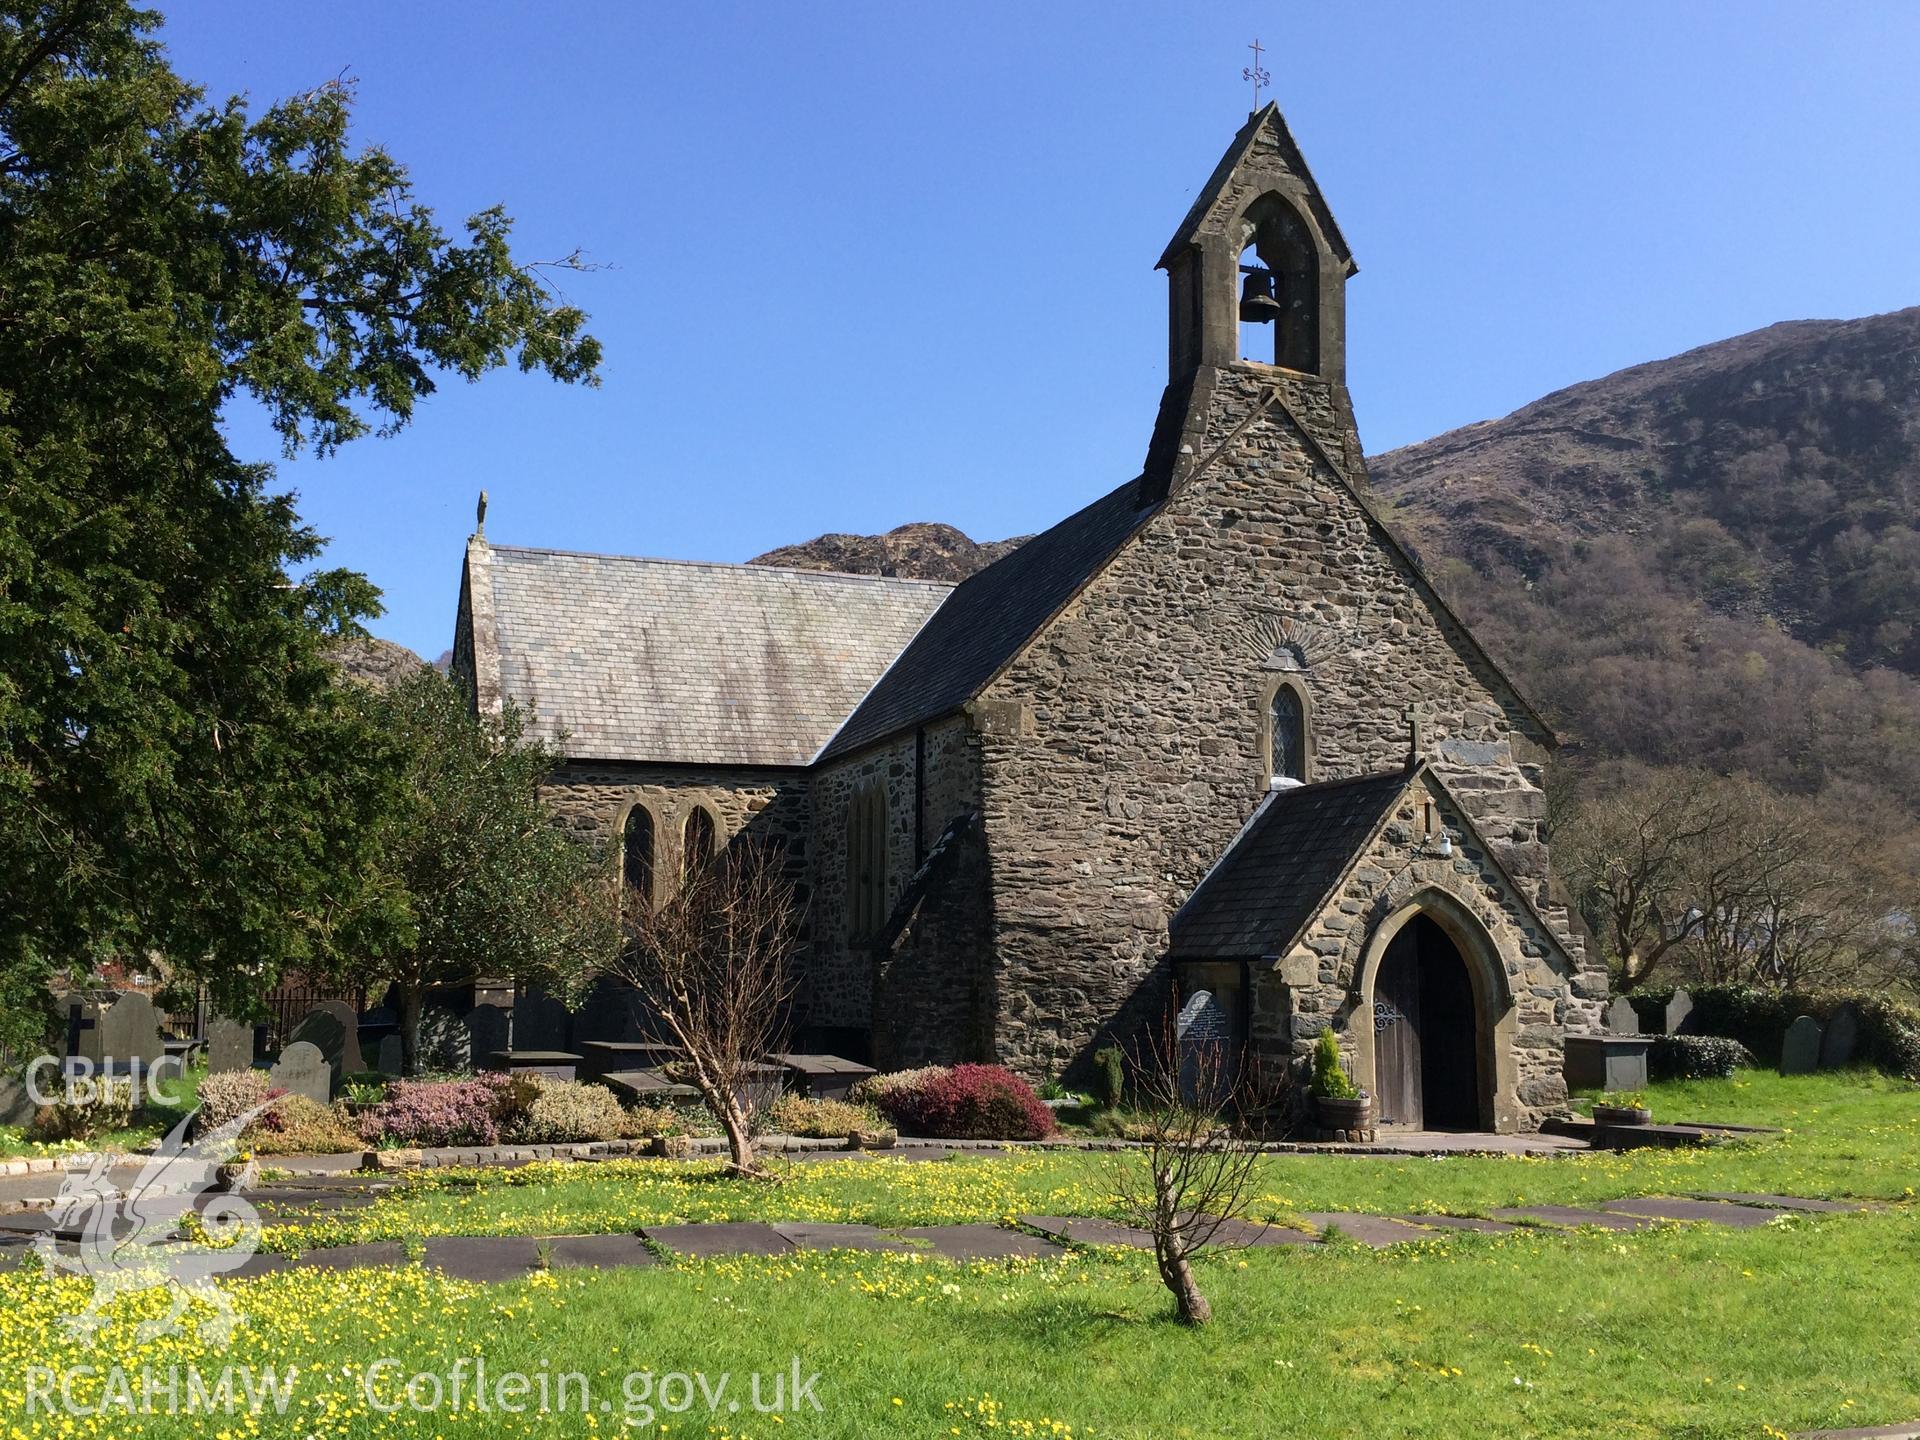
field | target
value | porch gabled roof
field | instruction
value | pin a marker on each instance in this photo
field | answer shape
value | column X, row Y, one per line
column 1281, row 871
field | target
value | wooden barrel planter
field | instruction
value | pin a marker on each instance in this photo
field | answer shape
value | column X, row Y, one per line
column 1622, row 1115
column 1344, row 1119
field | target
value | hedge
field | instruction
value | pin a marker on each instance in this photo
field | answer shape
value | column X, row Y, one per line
column 1758, row 1019
column 1695, row 1057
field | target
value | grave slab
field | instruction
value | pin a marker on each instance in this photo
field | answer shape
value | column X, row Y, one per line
column 1568, row 1215
column 1377, row 1231
column 487, row 1258
column 740, row 1237
column 1713, row 1212
column 1461, row 1222
column 1082, row 1231
column 976, row 1242
column 598, row 1252
column 840, row 1237
column 1257, row 1233
column 1784, row 1202
column 355, row 1257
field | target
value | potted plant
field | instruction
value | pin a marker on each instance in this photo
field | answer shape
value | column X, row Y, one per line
column 1622, row 1107
column 1338, row 1103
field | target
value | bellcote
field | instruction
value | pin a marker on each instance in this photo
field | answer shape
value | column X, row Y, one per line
column 1258, row 269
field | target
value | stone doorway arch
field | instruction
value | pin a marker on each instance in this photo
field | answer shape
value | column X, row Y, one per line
column 1447, row 932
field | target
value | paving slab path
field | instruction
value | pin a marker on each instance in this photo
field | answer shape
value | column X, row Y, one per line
column 1714, row 1212
column 1378, row 1231
column 1565, row 1216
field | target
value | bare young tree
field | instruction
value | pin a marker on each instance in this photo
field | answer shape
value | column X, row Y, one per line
column 713, row 960
column 1191, row 1176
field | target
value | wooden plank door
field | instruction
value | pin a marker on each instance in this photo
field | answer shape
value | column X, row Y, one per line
column 1396, row 1033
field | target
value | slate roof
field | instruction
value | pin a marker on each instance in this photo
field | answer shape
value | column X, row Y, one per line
column 989, row 616
column 681, row 662
column 1279, row 872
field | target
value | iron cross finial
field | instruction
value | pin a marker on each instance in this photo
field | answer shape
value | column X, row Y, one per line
column 1254, row 73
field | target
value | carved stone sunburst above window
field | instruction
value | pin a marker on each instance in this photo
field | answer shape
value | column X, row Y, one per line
column 1288, row 644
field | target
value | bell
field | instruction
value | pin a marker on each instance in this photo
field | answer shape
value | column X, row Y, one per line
column 1257, row 303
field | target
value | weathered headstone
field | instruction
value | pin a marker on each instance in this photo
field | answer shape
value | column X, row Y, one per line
column 303, row 1070
column 444, row 1043
column 127, row 1033
column 539, row 1022
column 389, row 1062
column 229, row 1045
column 333, row 1029
column 1622, row 1018
column 489, row 1029
column 1842, row 1035
column 1678, row 1009
column 1800, row 1052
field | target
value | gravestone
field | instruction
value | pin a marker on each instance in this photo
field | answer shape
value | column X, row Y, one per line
column 489, row 1028
column 1201, row 1039
column 1678, row 1009
column 1622, row 1018
column 303, row 1070
column 333, row 1029
column 1800, row 1052
column 229, row 1045
column 390, row 1061
column 1842, row 1035
column 444, row 1043
column 125, row 1031
column 539, row 1023
column 611, row 1012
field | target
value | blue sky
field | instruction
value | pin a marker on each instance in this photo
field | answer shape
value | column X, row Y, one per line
column 878, row 263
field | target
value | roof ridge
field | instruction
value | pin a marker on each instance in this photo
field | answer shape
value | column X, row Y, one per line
column 748, row 566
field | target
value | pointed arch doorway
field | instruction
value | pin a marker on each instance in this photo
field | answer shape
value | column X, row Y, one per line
column 1427, row 1040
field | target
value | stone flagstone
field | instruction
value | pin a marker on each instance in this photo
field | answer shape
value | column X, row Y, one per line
column 976, row 1242
column 1716, row 1212
column 1567, row 1215
column 1083, row 1231
column 1377, row 1231
column 1460, row 1222
column 1784, row 1202
column 825, row 1236
column 738, row 1237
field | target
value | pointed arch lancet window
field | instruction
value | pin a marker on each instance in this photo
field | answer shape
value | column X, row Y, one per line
column 1289, row 723
column 697, row 843
column 866, row 862
column 636, row 852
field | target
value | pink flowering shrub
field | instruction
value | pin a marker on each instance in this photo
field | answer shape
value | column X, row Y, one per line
column 440, row 1112
column 967, row 1102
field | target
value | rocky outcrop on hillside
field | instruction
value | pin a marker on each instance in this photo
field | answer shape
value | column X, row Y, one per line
column 373, row 661
column 922, row 551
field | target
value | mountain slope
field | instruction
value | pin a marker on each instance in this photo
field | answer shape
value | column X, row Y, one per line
column 1775, row 475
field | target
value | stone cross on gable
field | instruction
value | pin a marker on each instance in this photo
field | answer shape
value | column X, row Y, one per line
column 1416, row 734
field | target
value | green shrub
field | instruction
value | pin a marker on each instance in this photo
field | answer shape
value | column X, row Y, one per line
column 1695, row 1057
column 819, row 1119
column 1109, row 1076
column 97, row 1105
column 1330, row 1078
column 642, row 1122
column 560, row 1112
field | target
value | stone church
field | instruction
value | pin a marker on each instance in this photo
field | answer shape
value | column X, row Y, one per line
column 1214, row 737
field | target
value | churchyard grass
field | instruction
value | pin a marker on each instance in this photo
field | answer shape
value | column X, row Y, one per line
column 1691, row 1330
column 1853, row 1134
